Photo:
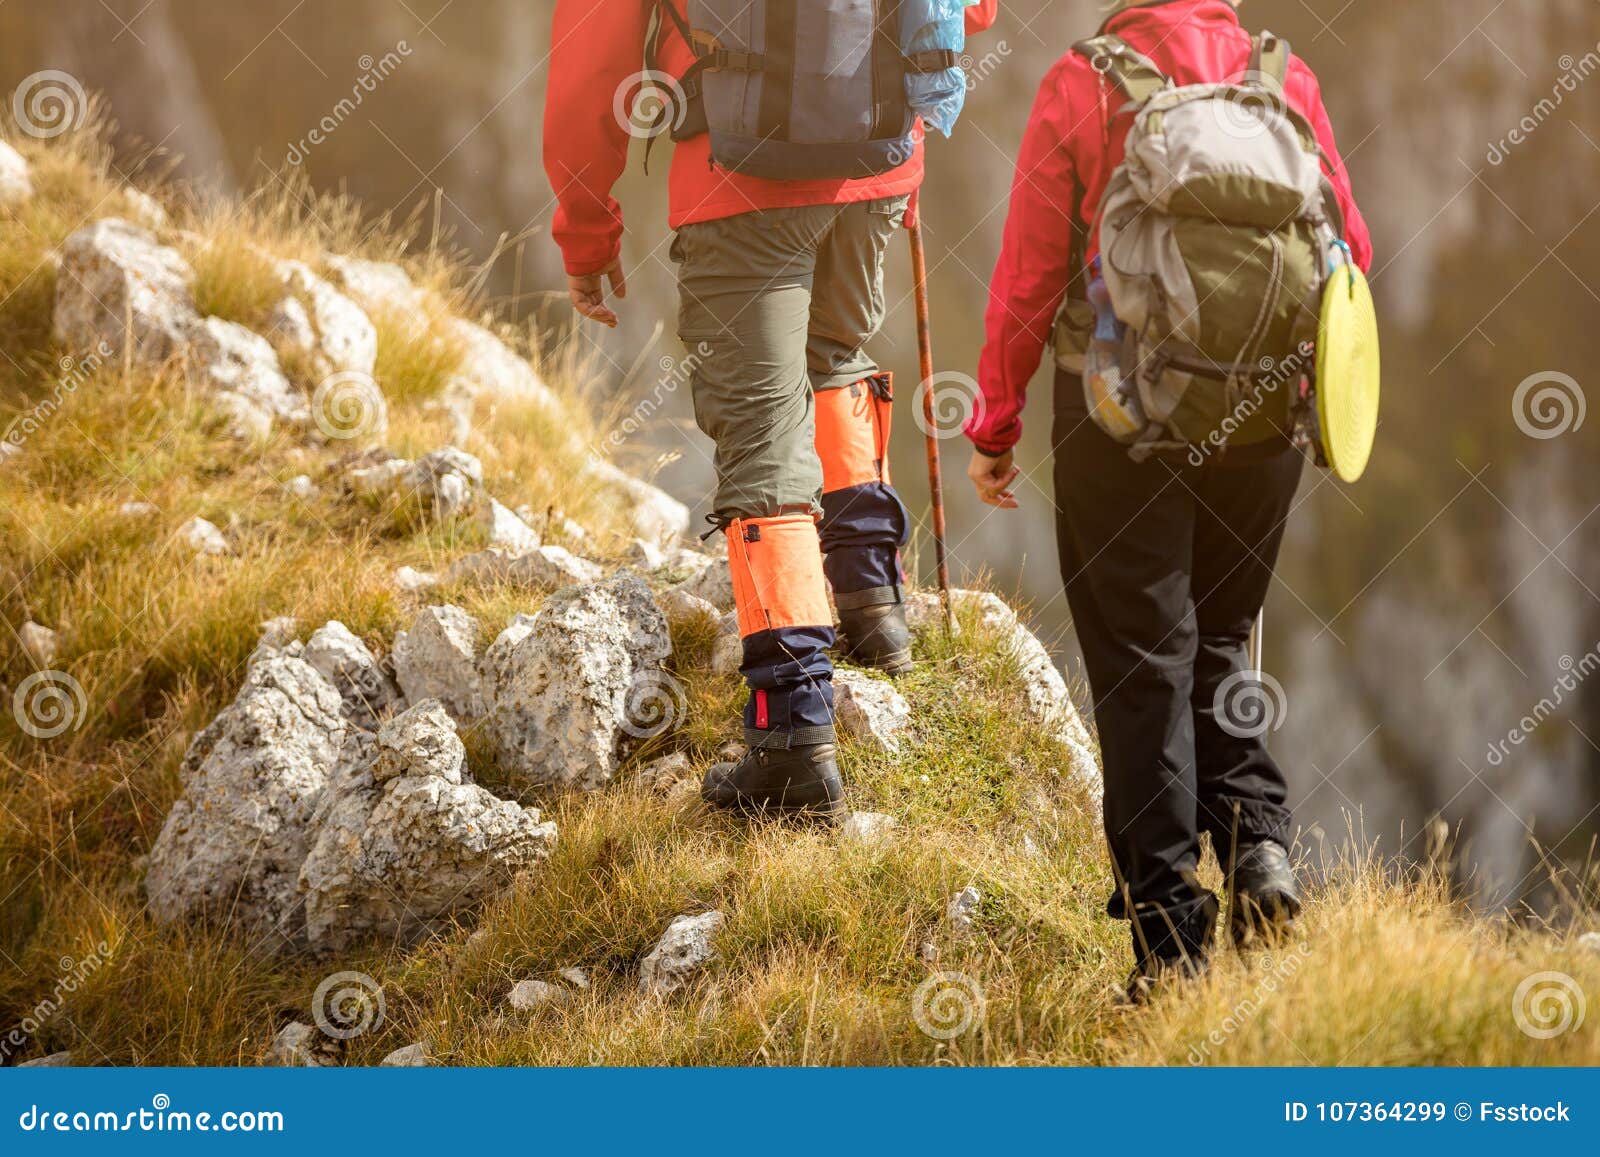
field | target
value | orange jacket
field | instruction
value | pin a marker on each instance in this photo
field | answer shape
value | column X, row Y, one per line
column 596, row 57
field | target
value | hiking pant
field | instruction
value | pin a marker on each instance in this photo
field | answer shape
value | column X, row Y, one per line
column 775, row 307
column 1166, row 565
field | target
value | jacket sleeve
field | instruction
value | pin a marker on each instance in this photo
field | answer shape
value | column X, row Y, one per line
column 1034, row 268
column 596, row 47
column 980, row 16
column 1355, row 225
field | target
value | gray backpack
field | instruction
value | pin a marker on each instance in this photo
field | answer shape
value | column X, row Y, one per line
column 1216, row 234
column 806, row 89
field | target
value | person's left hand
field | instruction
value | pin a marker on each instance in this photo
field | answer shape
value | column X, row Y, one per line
column 993, row 478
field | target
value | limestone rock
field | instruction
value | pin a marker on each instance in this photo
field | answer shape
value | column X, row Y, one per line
column 364, row 686
column 421, row 740
column 681, row 607
column 870, row 710
column 576, row 977
column 243, row 369
column 301, row 487
column 684, row 949
column 448, row 480
column 138, row 509
column 438, row 659
column 490, row 367
column 528, row 995
column 53, row 1061
column 961, row 909
column 379, row 479
column 547, row 567
column 1590, row 942
column 664, row 774
column 413, row 581
column 412, row 1056
column 40, row 644
column 506, row 528
column 727, row 652
column 377, row 286
column 712, row 583
column 145, row 210
column 203, row 537
column 568, row 686
column 300, row 1045
column 234, row 841
column 15, row 184
column 330, row 331
column 654, row 513
column 867, row 827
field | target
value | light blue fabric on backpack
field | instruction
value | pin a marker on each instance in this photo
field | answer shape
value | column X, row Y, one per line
column 925, row 26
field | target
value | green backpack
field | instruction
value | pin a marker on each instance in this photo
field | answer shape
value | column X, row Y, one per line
column 1216, row 234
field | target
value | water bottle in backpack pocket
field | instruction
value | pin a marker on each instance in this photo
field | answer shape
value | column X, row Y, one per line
column 795, row 90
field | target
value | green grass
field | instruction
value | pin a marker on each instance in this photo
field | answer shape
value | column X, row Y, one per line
column 827, row 942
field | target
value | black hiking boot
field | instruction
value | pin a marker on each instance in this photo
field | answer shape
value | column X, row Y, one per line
column 877, row 637
column 1265, row 900
column 1171, row 953
column 776, row 781
column 1161, row 974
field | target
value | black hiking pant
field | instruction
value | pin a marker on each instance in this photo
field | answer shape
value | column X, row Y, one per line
column 1166, row 565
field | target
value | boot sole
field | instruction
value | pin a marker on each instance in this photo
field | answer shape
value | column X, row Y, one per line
column 897, row 663
column 827, row 804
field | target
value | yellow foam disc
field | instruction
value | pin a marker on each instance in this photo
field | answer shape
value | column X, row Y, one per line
column 1348, row 373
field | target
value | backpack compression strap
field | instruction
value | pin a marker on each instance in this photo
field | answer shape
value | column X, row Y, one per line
column 1269, row 62
column 1134, row 73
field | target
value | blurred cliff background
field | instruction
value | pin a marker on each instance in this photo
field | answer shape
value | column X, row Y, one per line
column 1436, row 627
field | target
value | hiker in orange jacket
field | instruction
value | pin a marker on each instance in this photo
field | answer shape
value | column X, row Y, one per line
column 1166, row 557
column 781, row 285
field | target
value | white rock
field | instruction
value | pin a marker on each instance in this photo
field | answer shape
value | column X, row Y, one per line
column 243, row 369
column 450, row 481
column 506, row 529
column 576, row 977
column 645, row 556
column 379, row 479
column 682, row 607
column 412, row 1056
column 412, row 581
column 684, row 949
column 15, row 184
column 138, row 509
column 39, row 643
column 527, row 995
column 867, row 827
column 712, row 583
column 331, row 331
column 490, row 367
column 300, row 486
column 203, row 537
column 569, row 686
column 1049, row 704
column 377, row 286
column 234, row 841
column 547, row 567
column 364, row 687
column 277, row 637
column 1590, row 942
column 145, row 210
column 653, row 513
column 961, row 909
column 869, row 710
column 53, row 1061
column 421, row 740
column 438, row 659
column 727, row 652
column 298, row 1045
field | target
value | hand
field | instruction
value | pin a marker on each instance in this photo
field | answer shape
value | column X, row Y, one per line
column 993, row 478
column 588, row 293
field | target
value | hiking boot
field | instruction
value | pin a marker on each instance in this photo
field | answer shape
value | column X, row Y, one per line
column 1265, row 899
column 801, row 780
column 1170, row 950
column 877, row 637
column 1160, row 974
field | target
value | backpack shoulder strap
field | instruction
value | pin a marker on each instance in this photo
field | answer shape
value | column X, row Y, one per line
column 1130, row 70
column 1269, row 61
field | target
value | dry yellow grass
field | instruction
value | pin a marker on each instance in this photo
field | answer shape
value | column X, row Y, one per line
column 828, row 942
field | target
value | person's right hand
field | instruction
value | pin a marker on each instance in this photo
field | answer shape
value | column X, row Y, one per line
column 588, row 293
column 993, row 478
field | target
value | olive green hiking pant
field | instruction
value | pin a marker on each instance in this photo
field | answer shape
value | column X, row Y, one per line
column 774, row 304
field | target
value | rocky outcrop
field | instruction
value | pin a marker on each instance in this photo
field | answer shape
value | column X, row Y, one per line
column 15, row 184
column 119, row 289
column 331, row 334
column 568, row 687
column 233, row 843
column 408, row 841
column 869, row 710
column 438, row 659
column 683, row 951
column 364, row 687
column 654, row 514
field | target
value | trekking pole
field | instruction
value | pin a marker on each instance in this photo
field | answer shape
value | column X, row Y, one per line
column 919, row 280
column 1255, row 644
